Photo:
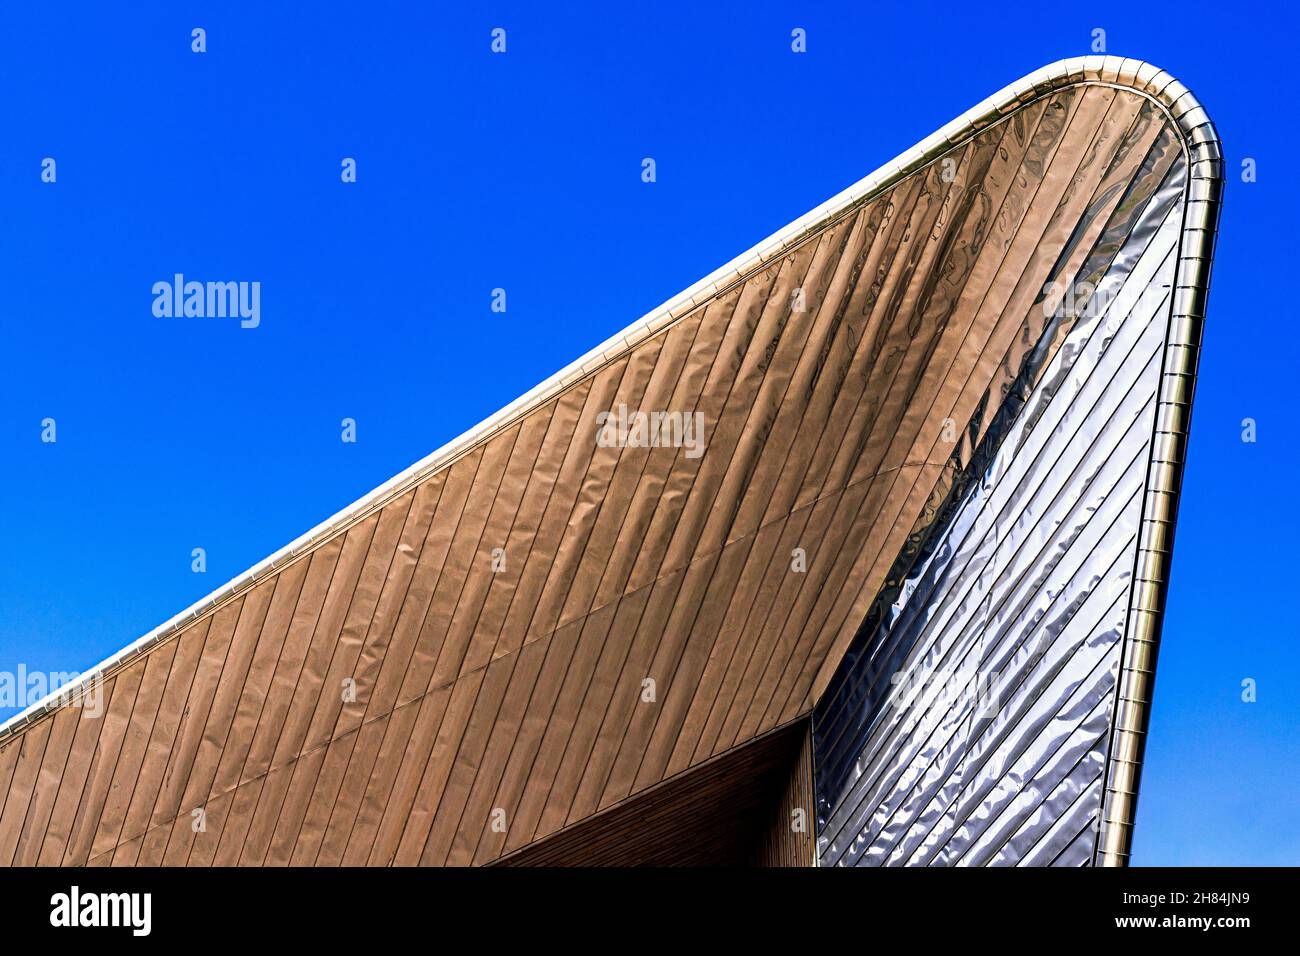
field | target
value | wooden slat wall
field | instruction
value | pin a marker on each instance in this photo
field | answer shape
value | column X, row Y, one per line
column 520, row 690
column 719, row 813
column 787, row 835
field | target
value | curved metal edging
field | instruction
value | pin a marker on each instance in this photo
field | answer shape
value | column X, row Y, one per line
column 1203, row 197
column 1202, row 204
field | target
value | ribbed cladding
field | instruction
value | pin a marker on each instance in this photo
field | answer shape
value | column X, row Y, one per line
column 788, row 838
column 1027, row 787
column 1202, row 206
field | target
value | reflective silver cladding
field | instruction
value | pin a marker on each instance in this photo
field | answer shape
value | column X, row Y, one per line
column 970, row 721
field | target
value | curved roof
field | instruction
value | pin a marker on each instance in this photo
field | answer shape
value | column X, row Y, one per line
column 783, row 398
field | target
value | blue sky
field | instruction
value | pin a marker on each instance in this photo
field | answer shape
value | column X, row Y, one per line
column 522, row 172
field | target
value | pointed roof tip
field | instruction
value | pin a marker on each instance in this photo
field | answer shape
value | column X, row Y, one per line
column 1206, row 165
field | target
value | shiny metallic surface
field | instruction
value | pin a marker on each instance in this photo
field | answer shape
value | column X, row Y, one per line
column 1202, row 200
column 992, row 710
column 969, row 723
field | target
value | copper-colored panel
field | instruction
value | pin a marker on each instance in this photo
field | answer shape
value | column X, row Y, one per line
column 232, row 825
column 231, row 689
column 169, row 806
column 147, row 779
column 30, row 748
column 67, row 721
column 154, row 682
column 378, row 791
column 73, row 774
column 600, row 687
column 90, row 807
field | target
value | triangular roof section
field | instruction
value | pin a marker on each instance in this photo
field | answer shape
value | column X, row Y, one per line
column 826, row 442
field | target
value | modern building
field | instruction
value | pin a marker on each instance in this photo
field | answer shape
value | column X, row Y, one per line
column 854, row 553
